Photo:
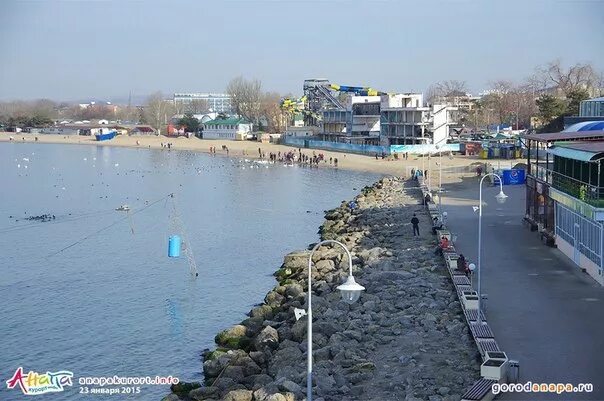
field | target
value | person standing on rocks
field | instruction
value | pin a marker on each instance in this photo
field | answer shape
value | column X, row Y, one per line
column 415, row 223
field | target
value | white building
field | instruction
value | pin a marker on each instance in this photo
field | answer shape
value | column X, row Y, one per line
column 404, row 119
column 217, row 102
column 302, row 131
column 230, row 128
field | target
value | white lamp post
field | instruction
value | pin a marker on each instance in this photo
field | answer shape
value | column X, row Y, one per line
column 501, row 197
column 440, row 180
column 472, row 267
column 351, row 292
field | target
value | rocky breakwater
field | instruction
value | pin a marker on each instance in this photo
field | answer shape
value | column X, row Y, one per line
column 406, row 338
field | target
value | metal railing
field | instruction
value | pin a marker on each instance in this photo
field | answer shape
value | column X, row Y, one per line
column 590, row 194
column 540, row 172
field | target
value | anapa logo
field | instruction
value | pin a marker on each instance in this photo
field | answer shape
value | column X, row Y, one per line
column 35, row 383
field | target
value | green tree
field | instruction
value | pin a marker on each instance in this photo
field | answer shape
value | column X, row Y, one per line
column 574, row 98
column 550, row 107
column 190, row 123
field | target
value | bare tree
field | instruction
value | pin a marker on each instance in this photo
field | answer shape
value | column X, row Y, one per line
column 246, row 98
column 446, row 91
column 578, row 76
column 157, row 111
column 272, row 112
column 195, row 106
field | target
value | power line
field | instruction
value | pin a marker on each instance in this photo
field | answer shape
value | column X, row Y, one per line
column 107, row 227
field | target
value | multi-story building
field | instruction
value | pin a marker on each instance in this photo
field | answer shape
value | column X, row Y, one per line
column 592, row 107
column 216, row 102
column 359, row 122
column 565, row 194
column 590, row 110
column 406, row 121
column 399, row 119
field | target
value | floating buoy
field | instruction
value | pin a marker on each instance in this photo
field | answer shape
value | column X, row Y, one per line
column 174, row 246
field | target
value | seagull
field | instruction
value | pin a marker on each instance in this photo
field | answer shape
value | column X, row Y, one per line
column 475, row 208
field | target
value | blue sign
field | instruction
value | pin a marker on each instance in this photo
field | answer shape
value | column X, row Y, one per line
column 513, row 176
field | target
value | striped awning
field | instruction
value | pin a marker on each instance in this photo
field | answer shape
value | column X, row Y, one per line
column 574, row 154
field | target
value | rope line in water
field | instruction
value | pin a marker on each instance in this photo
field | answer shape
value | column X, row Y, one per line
column 108, row 227
column 36, row 224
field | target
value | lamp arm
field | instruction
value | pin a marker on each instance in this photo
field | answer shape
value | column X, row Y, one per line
column 309, row 311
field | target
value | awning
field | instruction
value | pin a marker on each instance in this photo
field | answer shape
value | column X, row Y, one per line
column 573, row 154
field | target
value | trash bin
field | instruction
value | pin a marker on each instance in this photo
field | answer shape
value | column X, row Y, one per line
column 513, row 371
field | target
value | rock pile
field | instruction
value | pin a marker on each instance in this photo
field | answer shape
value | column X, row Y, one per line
column 405, row 339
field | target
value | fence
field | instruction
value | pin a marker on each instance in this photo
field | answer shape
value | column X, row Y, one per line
column 335, row 146
column 368, row 149
column 424, row 149
column 571, row 227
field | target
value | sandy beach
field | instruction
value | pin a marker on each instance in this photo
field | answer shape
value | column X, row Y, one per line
column 249, row 150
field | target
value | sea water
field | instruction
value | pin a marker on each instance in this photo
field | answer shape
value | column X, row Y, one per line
column 92, row 290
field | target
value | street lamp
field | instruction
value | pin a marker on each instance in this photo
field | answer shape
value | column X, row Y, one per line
column 500, row 197
column 440, row 180
column 472, row 267
column 350, row 291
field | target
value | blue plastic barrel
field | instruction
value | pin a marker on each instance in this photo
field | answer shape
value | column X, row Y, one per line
column 174, row 246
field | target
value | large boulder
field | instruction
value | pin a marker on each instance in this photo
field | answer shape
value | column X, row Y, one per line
column 263, row 311
column 268, row 338
column 274, row 299
column 253, row 325
column 299, row 329
column 203, row 393
column 238, row 395
column 296, row 260
column 293, row 290
column 231, row 336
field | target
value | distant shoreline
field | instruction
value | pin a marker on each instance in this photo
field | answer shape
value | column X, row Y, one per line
column 243, row 149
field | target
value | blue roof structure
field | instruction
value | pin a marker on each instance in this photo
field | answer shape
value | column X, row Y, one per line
column 586, row 126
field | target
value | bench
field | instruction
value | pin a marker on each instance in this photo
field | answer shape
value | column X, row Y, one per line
column 481, row 390
column 472, row 315
column 461, row 280
column 528, row 222
column 481, row 330
column 548, row 238
column 487, row 344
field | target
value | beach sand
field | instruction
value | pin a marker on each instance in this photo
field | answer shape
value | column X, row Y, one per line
column 249, row 150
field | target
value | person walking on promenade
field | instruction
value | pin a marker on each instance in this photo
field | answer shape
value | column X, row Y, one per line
column 427, row 199
column 415, row 223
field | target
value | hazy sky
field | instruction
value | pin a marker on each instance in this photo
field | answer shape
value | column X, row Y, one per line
column 103, row 49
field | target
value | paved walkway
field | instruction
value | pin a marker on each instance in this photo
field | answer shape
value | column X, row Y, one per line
column 543, row 310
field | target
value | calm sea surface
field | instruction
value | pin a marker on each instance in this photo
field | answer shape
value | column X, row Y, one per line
column 114, row 303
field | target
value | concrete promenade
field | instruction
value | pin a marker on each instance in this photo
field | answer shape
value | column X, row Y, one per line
column 543, row 310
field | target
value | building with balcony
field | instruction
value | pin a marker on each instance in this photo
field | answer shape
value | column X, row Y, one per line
column 216, row 102
column 539, row 205
column 359, row 123
column 565, row 196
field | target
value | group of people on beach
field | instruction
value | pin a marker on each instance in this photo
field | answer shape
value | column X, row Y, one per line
column 415, row 174
column 166, row 145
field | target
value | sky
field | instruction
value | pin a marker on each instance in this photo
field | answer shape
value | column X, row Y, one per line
column 80, row 50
